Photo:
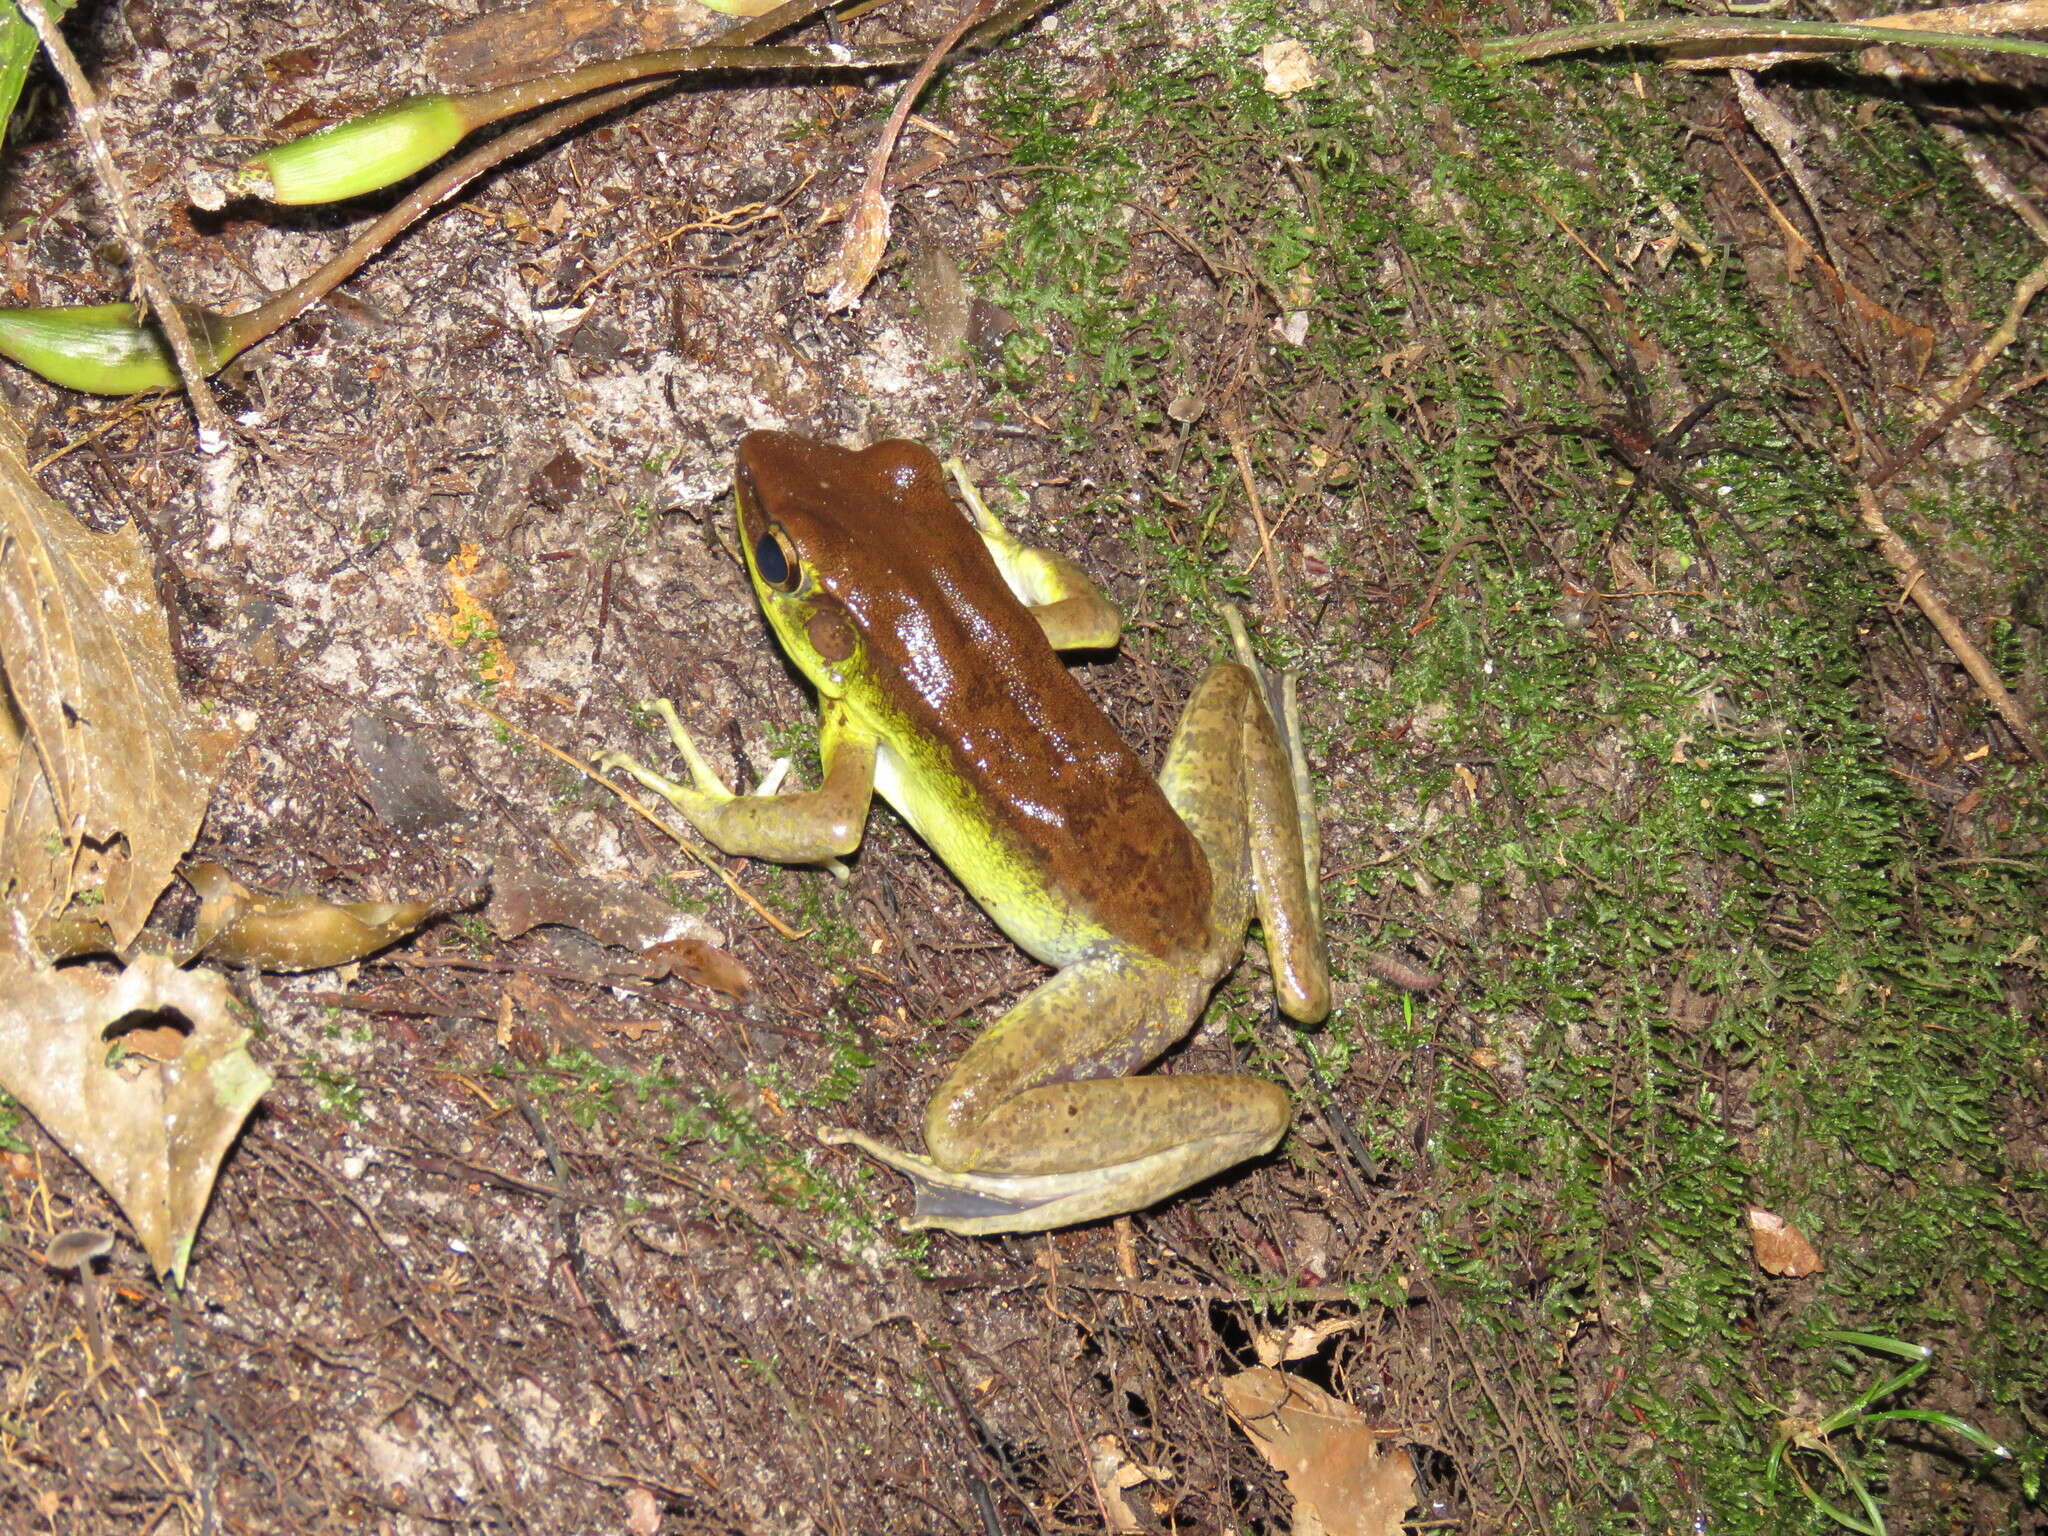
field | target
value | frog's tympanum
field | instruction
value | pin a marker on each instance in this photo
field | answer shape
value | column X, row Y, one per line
column 930, row 635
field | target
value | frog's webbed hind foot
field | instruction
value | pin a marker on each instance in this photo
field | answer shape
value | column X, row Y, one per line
column 980, row 1204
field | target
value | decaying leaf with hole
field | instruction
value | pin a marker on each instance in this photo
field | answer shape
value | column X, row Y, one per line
column 1346, row 1479
column 297, row 931
column 144, row 1076
column 1780, row 1247
column 107, row 771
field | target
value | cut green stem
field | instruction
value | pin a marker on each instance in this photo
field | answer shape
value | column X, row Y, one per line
column 99, row 348
column 367, row 153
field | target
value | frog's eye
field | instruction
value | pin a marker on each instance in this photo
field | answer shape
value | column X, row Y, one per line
column 776, row 561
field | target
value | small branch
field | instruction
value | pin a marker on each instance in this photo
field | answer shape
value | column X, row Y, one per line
column 846, row 276
column 1992, row 178
column 1913, row 575
column 170, row 316
column 1950, row 399
column 1240, row 450
column 1672, row 31
column 1783, row 135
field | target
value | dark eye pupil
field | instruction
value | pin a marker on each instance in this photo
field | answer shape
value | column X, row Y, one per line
column 771, row 562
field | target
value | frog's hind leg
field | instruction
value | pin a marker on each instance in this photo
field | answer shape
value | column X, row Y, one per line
column 1035, row 1127
column 1280, row 831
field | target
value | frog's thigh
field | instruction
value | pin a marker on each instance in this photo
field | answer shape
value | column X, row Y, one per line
column 1204, row 781
column 1041, row 1091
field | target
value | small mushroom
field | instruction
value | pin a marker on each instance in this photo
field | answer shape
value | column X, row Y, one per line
column 78, row 1250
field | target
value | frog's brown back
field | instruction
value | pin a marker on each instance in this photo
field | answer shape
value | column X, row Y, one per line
column 981, row 682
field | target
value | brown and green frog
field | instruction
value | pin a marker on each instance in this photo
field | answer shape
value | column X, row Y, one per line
column 932, row 638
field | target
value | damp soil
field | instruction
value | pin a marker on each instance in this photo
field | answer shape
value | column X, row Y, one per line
column 526, row 1238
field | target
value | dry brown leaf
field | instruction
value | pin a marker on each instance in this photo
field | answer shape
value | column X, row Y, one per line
column 844, row 278
column 669, row 943
column 1780, row 1247
column 701, row 964
column 297, row 931
column 101, row 752
column 503, row 47
column 1300, row 1342
column 526, row 896
column 1345, row 1479
column 152, row 1132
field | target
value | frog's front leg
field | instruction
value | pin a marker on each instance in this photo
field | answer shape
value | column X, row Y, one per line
column 1070, row 609
column 1036, row 1127
column 807, row 828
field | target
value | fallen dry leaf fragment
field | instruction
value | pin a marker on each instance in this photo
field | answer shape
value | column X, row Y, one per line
column 643, row 1512
column 398, row 776
column 525, row 896
column 297, row 931
column 1114, row 1477
column 1346, row 1480
column 1301, row 1342
column 701, row 964
column 668, row 942
column 1289, row 69
column 151, row 1128
column 1780, row 1247
column 106, row 770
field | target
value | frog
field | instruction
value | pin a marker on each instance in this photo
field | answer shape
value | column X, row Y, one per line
column 933, row 637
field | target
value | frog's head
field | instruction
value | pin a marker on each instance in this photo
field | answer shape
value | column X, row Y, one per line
column 848, row 552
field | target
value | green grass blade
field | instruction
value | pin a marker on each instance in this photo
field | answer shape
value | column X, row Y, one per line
column 1949, row 1422
column 1890, row 1346
column 18, row 50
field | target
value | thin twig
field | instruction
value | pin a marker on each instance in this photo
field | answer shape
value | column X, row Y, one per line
column 1779, row 131
column 1913, row 576
column 1240, row 450
column 85, row 108
column 1957, row 395
column 2023, row 295
column 1672, row 31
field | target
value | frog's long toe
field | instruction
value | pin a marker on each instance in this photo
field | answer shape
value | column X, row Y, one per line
column 979, row 1204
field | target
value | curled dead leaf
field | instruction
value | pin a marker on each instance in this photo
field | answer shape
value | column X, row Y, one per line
column 1780, row 1247
column 1115, row 1476
column 1300, row 1342
column 701, row 964
column 1289, row 69
column 105, row 769
column 844, row 278
column 294, row 932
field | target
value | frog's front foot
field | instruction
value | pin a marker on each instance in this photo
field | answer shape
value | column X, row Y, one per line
column 980, row 1204
column 701, row 795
